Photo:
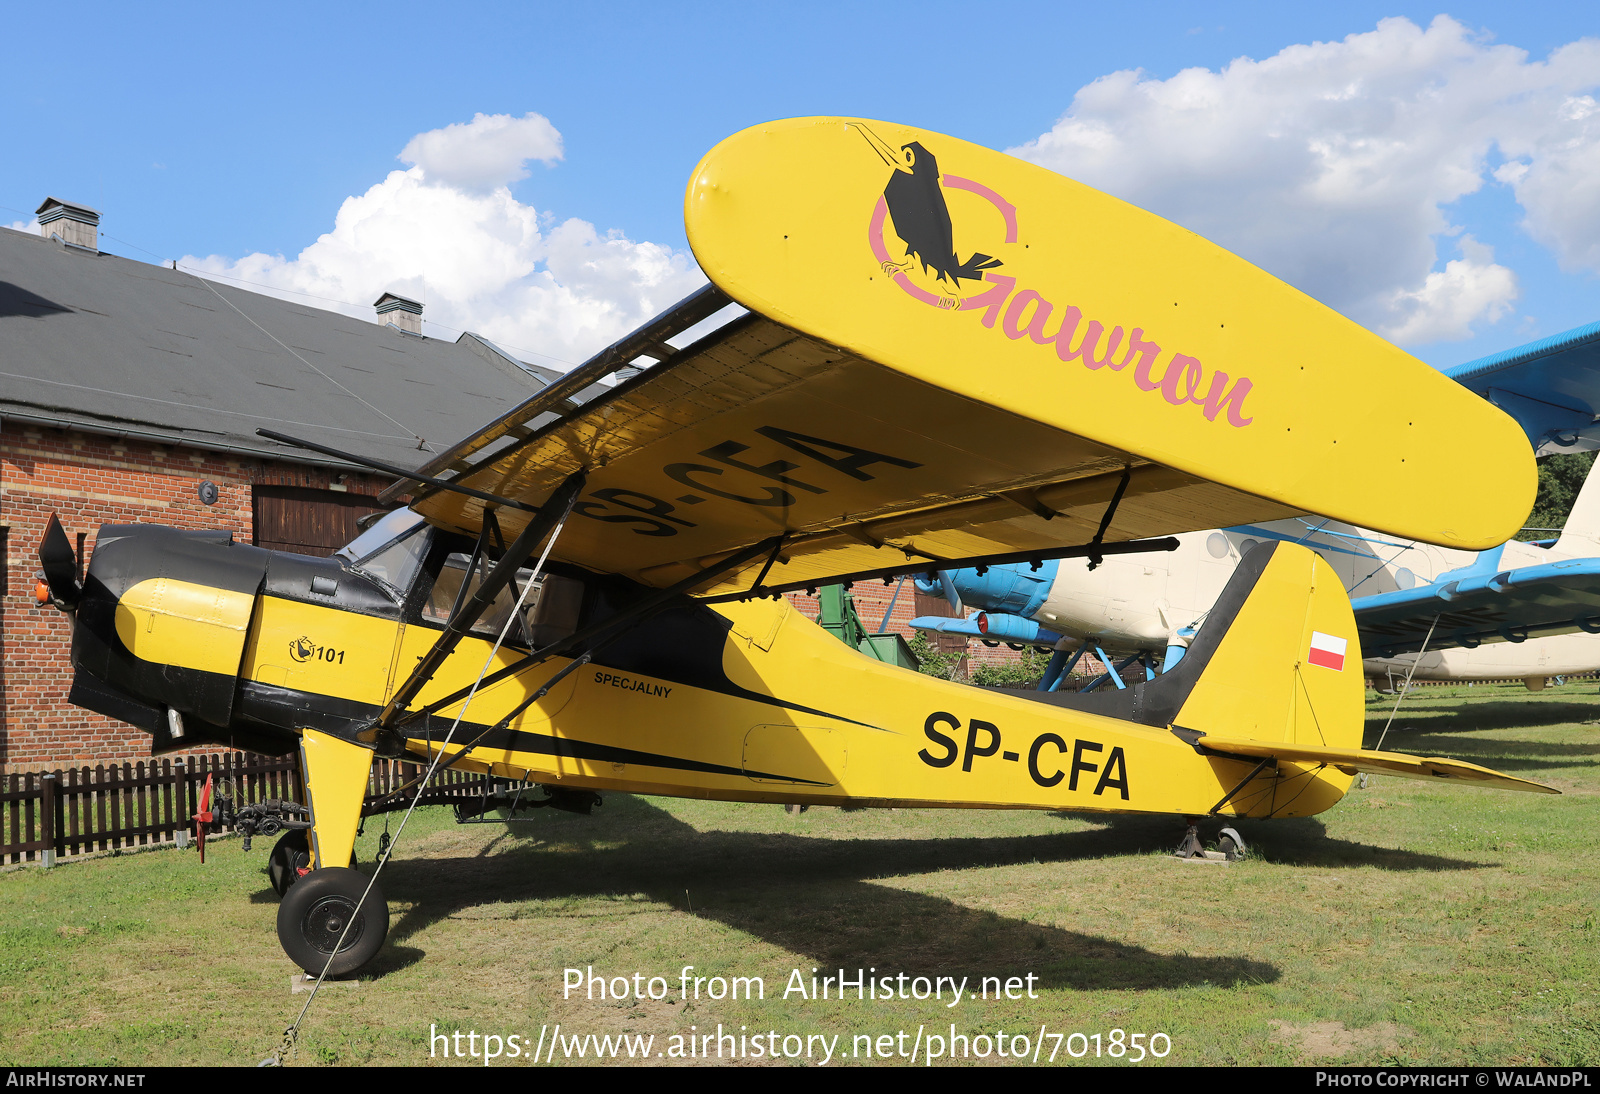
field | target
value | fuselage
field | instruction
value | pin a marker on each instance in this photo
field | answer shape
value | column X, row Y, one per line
column 746, row 701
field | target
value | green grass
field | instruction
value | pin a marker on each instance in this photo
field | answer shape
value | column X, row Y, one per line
column 1413, row 923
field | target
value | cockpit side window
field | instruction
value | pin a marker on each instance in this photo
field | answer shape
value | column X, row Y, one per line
column 392, row 550
column 549, row 610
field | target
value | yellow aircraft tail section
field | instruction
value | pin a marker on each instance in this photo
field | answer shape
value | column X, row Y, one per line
column 1275, row 662
column 1301, row 716
column 1288, row 667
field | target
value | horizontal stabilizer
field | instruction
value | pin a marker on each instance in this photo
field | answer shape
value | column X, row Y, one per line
column 1353, row 760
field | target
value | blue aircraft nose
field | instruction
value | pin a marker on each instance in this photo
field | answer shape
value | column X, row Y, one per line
column 1012, row 589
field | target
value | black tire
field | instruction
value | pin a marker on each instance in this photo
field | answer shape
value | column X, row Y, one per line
column 290, row 855
column 315, row 911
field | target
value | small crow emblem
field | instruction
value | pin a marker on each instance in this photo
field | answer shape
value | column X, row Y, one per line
column 921, row 217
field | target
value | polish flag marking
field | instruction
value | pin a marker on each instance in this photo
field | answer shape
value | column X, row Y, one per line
column 1327, row 651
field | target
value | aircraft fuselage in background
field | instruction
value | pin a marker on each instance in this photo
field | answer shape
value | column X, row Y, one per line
column 1135, row 602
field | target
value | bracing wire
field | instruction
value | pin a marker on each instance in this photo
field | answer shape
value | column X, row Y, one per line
column 1398, row 699
column 421, row 443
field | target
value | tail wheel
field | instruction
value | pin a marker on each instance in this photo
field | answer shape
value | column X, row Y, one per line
column 290, row 855
column 322, row 906
column 291, row 858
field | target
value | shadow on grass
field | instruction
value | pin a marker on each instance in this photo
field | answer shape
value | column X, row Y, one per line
column 1409, row 738
column 807, row 895
column 1460, row 715
column 1291, row 841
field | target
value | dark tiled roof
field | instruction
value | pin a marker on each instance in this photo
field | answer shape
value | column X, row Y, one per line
column 103, row 343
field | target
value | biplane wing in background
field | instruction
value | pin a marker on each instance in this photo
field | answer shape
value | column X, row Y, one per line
column 947, row 355
column 1551, row 387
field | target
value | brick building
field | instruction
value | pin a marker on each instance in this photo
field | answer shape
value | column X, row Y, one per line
column 132, row 393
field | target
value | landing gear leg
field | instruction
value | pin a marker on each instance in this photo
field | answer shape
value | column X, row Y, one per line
column 321, row 906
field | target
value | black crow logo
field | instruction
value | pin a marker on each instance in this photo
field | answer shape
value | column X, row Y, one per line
column 921, row 217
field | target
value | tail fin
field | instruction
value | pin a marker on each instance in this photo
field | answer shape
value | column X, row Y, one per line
column 1580, row 536
column 1284, row 665
column 1276, row 659
column 1275, row 673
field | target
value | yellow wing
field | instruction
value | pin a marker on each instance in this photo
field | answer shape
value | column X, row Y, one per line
column 957, row 353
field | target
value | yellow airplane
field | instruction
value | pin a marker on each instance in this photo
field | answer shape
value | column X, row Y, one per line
column 948, row 358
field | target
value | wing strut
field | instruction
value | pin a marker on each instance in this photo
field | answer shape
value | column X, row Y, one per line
column 468, row 612
column 1033, row 558
column 1096, row 552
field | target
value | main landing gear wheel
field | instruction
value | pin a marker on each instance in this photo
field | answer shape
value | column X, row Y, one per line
column 316, row 911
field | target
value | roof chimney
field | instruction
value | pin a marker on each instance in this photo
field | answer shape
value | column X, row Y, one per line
column 400, row 313
column 78, row 225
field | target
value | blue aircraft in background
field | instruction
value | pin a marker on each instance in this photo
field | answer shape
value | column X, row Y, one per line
column 1523, row 610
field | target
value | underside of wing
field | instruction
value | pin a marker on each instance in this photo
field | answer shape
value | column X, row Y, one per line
column 1483, row 604
column 1354, row 760
column 1551, row 387
column 757, row 431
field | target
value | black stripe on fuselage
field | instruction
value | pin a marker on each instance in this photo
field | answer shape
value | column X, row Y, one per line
column 267, row 704
column 681, row 644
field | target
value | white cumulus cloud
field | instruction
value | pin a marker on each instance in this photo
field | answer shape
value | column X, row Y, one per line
column 1333, row 165
column 1444, row 308
column 449, row 232
column 491, row 150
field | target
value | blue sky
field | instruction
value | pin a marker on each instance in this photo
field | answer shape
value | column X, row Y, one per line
column 232, row 136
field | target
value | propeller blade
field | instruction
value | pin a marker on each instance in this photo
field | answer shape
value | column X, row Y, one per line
column 203, row 818
column 59, row 563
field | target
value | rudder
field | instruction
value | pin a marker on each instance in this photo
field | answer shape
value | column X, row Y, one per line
column 1288, row 665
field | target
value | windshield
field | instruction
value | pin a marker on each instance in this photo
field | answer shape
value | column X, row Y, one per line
column 391, row 550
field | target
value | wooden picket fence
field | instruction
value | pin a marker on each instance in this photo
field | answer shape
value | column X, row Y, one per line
column 48, row 815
